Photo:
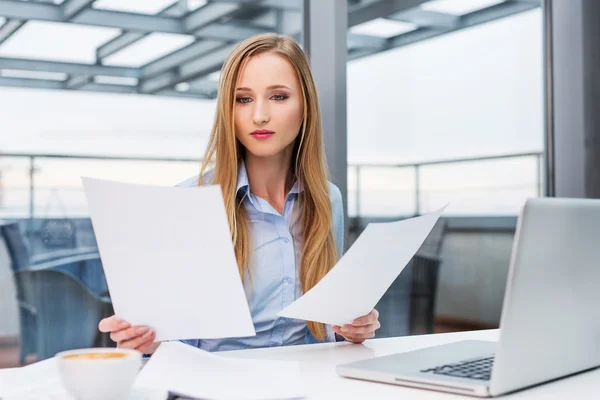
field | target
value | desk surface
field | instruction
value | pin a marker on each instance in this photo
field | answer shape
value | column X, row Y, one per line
column 318, row 362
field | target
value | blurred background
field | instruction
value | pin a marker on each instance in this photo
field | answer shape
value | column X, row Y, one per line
column 445, row 103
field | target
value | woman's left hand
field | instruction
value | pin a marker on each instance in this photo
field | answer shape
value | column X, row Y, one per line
column 361, row 329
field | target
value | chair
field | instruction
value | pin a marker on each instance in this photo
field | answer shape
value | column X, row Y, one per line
column 423, row 292
column 64, row 314
column 21, row 260
column 424, row 278
column 408, row 307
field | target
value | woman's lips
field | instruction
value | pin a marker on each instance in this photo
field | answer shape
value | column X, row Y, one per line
column 262, row 134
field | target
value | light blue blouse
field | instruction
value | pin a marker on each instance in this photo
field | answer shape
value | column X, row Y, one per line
column 274, row 283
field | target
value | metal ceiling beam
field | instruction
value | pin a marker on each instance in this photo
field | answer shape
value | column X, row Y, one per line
column 77, row 82
column 117, row 44
column 31, row 83
column 127, row 38
column 204, row 86
column 209, row 63
column 501, row 10
column 129, row 21
column 366, row 41
column 427, row 19
column 498, row 11
column 373, row 9
column 71, row 8
column 187, row 94
column 108, row 88
column 67, row 68
column 206, row 64
column 10, row 27
column 211, row 12
column 179, row 57
column 291, row 5
column 202, row 23
column 26, row 10
column 228, row 32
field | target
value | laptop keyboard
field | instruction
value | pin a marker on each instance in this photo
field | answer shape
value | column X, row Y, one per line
column 480, row 368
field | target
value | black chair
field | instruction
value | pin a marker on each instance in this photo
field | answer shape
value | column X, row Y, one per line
column 423, row 292
column 64, row 314
column 408, row 307
column 21, row 260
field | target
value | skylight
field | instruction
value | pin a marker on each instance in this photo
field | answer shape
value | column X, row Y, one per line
column 182, row 87
column 458, row 7
column 148, row 49
column 195, row 4
column 115, row 80
column 384, row 28
column 135, row 6
column 57, row 41
column 213, row 76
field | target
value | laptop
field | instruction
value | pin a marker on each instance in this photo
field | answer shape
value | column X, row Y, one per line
column 550, row 323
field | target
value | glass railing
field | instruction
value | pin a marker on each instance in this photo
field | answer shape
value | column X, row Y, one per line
column 34, row 186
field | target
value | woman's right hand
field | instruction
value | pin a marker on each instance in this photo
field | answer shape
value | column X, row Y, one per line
column 140, row 338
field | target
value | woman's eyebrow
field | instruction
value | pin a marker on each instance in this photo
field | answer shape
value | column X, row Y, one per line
column 246, row 89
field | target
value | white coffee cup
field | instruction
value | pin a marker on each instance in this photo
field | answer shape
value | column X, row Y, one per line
column 99, row 374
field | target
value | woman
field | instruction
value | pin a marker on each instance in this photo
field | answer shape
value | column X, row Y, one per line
column 286, row 220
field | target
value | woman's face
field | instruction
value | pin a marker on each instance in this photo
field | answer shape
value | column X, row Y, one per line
column 268, row 108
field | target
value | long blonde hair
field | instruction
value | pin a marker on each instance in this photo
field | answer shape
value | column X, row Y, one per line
column 224, row 153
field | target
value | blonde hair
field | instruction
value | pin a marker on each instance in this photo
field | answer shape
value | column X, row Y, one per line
column 224, row 153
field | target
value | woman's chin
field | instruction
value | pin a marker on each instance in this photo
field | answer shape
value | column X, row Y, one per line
column 264, row 151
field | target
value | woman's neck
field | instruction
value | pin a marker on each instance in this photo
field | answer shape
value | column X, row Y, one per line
column 270, row 178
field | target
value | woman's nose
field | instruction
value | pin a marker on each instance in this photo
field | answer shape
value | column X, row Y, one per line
column 261, row 114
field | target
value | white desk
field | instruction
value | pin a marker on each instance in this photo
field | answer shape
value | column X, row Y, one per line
column 318, row 362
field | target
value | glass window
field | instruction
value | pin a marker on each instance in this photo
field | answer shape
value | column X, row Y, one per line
column 450, row 112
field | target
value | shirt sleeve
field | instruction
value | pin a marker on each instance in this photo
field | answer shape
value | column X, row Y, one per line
column 337, row 211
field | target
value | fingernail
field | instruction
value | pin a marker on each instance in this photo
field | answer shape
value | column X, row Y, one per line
column 123, row 325
column 148, row 335
column 141, row 330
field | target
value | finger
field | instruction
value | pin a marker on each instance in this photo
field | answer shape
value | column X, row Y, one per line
column 357, row 330
column 129, row 333
column 146, row 338
column 354, row 340
column 359, row 338
column 112, row 324
column 147, row 347
column 367, row 319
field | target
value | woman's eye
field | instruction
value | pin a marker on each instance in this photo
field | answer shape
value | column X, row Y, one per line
column 243, row 100
column 279, row 97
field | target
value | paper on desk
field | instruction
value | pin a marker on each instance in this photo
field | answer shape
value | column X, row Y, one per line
column 362, row 276
column 196, row 373
column 168, row 259
column 36, row 381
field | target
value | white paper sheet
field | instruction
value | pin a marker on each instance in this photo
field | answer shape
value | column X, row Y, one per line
column 361, row 277
column 192, row 372
column 32, row 381
column 42, row 381
column 168, row 259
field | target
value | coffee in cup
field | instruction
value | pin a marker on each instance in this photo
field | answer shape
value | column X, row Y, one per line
column 99, row 373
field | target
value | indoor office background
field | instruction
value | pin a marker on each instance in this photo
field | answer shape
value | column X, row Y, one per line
column 444, row 104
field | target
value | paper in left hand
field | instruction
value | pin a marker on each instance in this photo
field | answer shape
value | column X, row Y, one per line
column 168, row 259
column 195, row 373
column 361, row 277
